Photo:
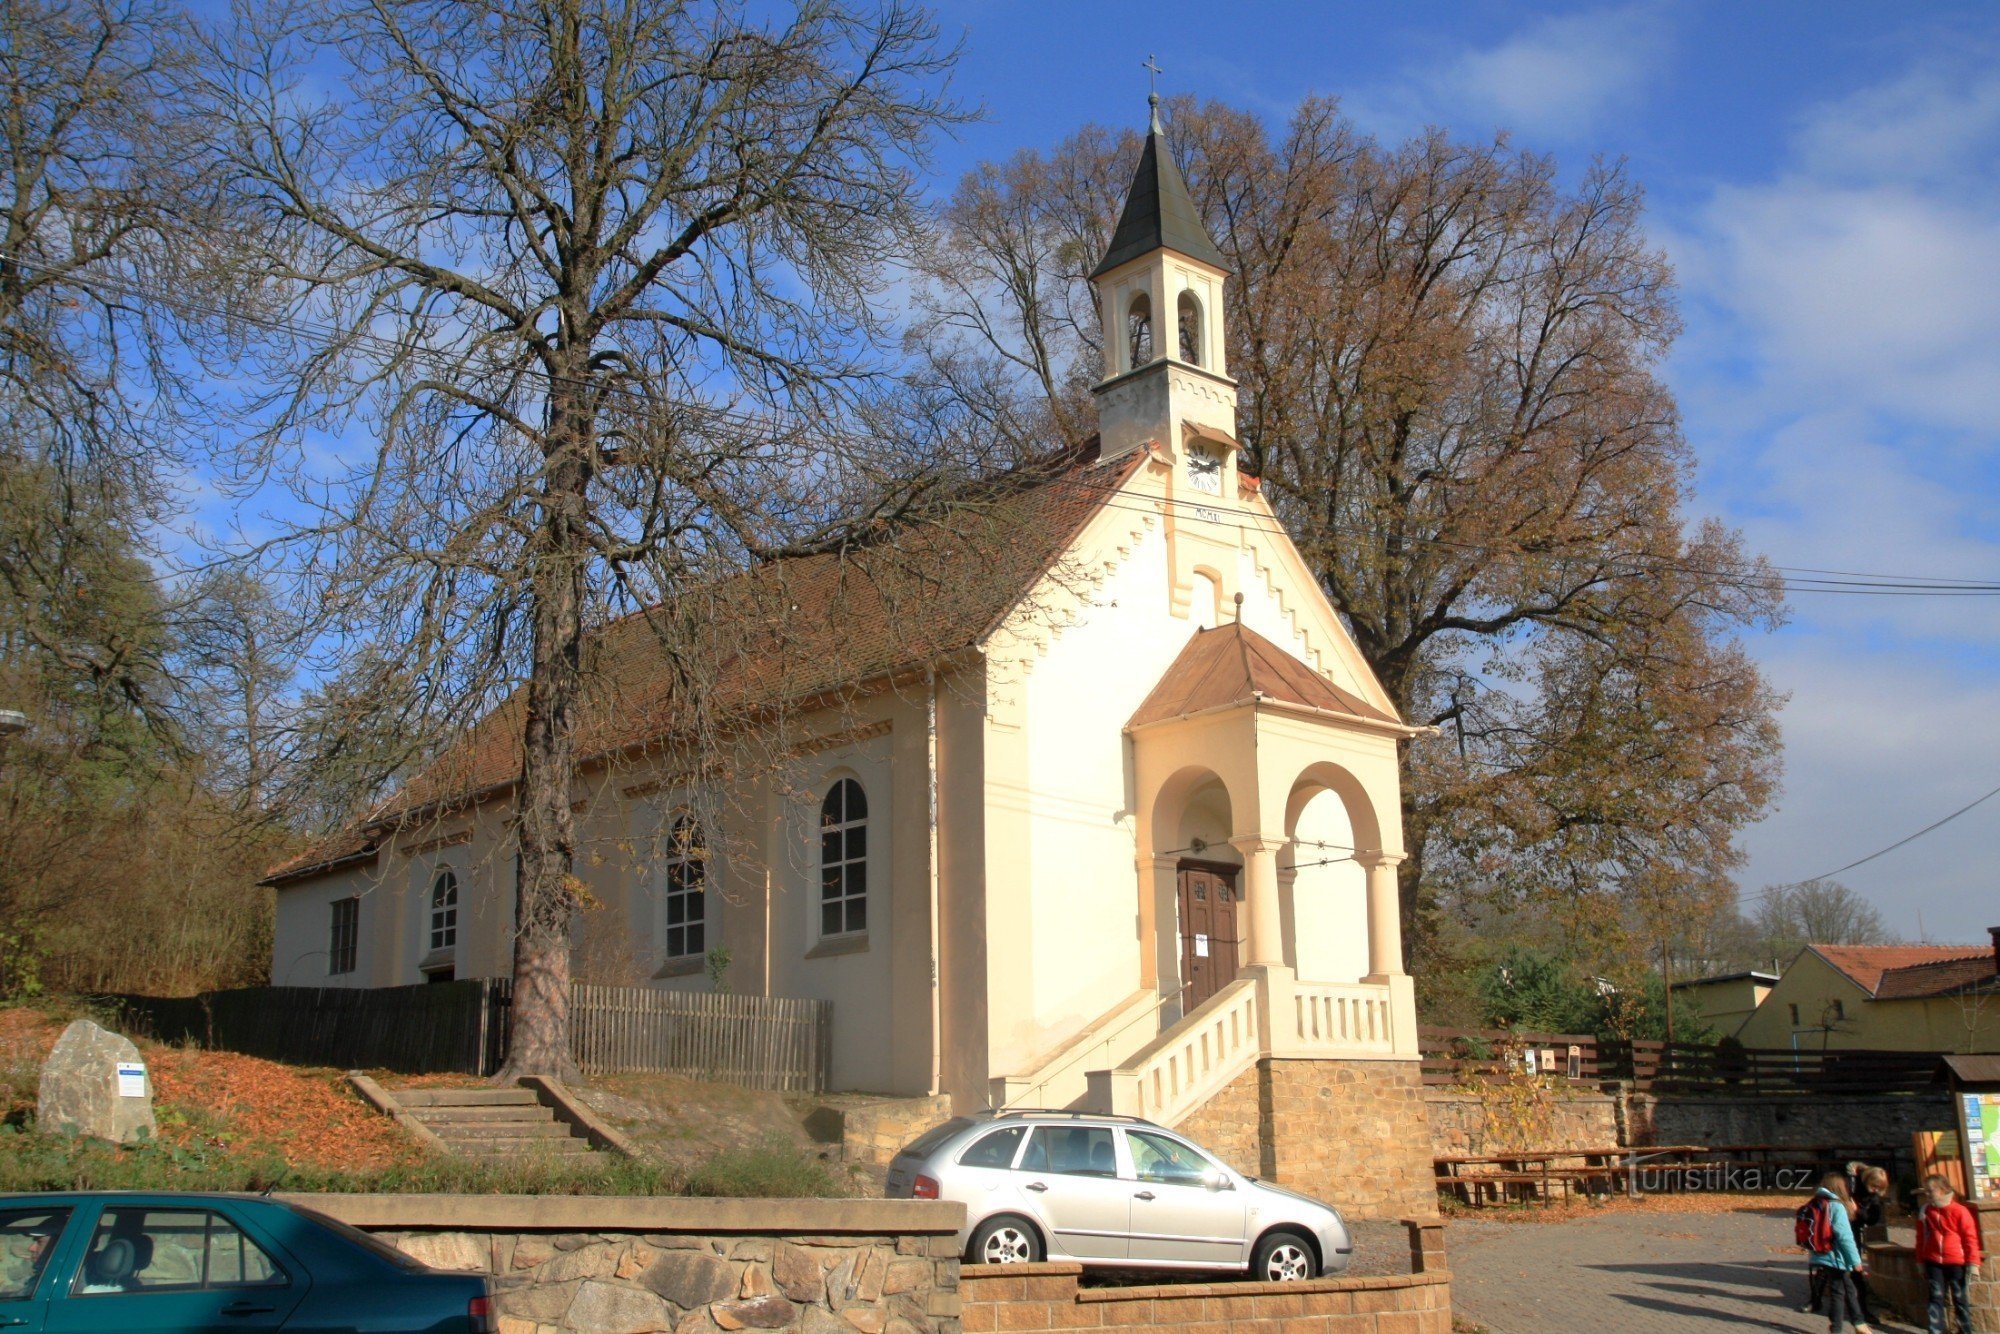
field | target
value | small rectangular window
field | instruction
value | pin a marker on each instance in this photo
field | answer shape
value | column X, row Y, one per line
column 1795, row 1016
column 1839, row 1010
column 345, row 935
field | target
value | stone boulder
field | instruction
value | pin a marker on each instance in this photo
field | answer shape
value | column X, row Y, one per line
column 80, row 1092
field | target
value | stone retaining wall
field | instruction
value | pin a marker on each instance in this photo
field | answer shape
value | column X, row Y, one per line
column 1466, row 1123
column 1898, row 1281
column 1047, row 1297
column 1339, row 1131
column 599, row 1265
column 1851, row 1119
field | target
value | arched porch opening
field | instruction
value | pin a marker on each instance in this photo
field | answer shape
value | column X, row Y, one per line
column 1195, row 889
column 1343, row 919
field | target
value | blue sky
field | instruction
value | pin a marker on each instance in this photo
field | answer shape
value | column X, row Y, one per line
column 1826, row 179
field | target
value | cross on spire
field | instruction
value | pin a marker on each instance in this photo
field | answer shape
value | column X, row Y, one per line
column 1151, row 65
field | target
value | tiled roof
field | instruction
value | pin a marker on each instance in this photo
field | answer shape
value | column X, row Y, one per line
column 1864, row 965
column 794, row 630
column 1232, row 664
column 1943, row 978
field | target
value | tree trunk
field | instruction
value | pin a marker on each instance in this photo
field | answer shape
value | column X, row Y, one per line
column 546, row 898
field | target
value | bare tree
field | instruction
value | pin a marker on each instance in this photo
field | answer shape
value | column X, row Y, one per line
column 1817, row 912
column 1447, row 365
column 104, row 210
column 542, row 257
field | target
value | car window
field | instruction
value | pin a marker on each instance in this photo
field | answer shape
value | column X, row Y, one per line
column 995, row 1150
column 1158, row 1158
column 171, row 1250
column 374, row 1245
column 27, row 1238
column 1083, row 1151
column 927, row 1143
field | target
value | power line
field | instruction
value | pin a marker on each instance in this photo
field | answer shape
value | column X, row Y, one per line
column 1934, row 825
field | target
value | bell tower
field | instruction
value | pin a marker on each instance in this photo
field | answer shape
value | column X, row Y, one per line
column 1159, row 294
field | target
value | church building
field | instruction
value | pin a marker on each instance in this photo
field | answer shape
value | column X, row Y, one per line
column 1108, row 819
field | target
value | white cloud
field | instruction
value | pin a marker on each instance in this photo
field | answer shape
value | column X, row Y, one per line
column 1561, row 75
column 1840, row 376
column 1878, row 745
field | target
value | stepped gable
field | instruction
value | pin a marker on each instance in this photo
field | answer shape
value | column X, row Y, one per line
column 1232, row 664
column 1867, row 965
column 790, row 632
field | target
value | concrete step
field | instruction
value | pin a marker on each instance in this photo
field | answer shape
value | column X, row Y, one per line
column 412, row 1099
column 433, row 1116
column 486, row 1130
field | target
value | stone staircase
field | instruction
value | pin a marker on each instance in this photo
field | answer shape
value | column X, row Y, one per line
column 493, row 1124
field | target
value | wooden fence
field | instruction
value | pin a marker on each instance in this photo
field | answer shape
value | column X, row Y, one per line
column 424, row 1029
column 1457, row 1056
column 757, row 1041
column 462, row 1027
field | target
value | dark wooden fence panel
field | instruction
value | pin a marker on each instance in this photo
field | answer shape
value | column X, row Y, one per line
column 423, row 1029
column 462, row 1027
column 1454, row 1055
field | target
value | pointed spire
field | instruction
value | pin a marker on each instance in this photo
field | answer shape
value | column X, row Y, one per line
column 1159, row 213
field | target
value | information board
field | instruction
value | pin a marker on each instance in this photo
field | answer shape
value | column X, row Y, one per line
column 1982, row 1144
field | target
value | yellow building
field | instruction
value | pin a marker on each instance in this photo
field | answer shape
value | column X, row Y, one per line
column 1724, row 1003
column 1942, row 998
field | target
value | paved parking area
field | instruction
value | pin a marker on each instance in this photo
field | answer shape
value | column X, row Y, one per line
column 1633, row 1273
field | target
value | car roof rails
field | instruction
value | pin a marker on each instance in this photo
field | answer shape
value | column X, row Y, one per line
column 1066, row 1114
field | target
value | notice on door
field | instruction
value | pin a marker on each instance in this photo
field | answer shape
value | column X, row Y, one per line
column 1200, row 946
column 131, row 1079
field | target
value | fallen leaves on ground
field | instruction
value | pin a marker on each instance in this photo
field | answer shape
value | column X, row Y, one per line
column 308, row 1117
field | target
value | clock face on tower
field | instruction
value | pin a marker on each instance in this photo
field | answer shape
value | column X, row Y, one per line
column 1204, row 472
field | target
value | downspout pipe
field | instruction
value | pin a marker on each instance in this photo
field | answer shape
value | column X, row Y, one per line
column 931, row 779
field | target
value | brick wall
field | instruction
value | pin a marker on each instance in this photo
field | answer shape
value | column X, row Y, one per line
column 1040, row 1297
column 1898, row 1281
column 1347, row 1132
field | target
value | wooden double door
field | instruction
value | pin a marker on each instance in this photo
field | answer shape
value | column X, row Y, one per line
column 1210, row 904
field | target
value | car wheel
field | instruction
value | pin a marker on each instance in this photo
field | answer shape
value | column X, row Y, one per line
column 1005, row 1240
column 1283, row 1257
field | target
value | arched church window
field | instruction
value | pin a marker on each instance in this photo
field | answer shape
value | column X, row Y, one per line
column 444, row 910
column 843, row 860
column 686, row 900
column 1139, row 330
column 1189, row 318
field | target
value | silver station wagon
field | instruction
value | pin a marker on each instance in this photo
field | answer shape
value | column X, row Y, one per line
column 1115, row 1192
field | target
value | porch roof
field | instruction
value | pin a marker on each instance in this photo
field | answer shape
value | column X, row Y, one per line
column 1232, row 664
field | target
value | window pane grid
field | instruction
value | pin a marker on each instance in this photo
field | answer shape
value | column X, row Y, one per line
column 843, row 860
column 345, row 935
column 685, row 927
column 444, row 911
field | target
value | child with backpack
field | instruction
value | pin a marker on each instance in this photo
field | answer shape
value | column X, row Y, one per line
column 1824, row 1226
column 1948, row 1245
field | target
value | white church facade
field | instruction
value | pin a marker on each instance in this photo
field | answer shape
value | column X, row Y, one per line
column 1120, row 831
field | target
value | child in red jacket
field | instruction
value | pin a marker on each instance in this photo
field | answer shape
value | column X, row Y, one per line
column 1948, row 1244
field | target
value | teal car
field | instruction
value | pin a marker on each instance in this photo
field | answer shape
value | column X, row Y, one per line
column 123, row 1261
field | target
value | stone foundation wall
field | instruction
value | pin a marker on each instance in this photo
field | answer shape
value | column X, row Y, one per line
column 1898, row 1281
column 1046, row 1297
column 1347, row 1132
column 872, row 1131
column 1886, row 1119
column 1466, row 1123
column 633, row 1266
